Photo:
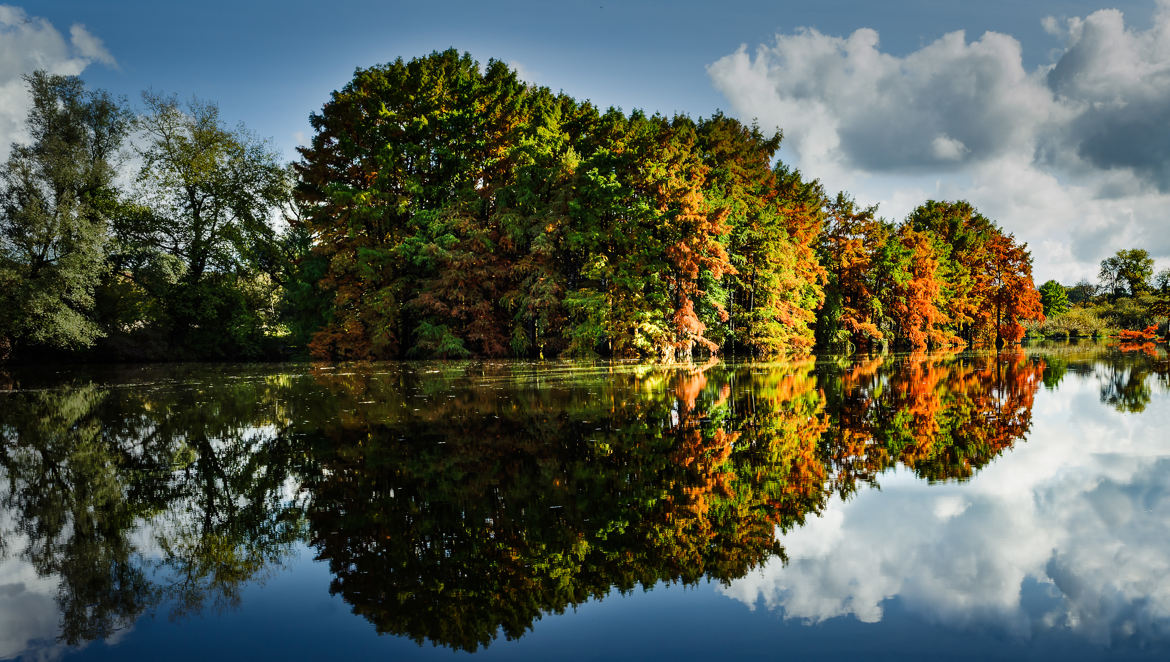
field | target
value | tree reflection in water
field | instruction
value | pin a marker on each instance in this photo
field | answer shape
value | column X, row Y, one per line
column 454, row 502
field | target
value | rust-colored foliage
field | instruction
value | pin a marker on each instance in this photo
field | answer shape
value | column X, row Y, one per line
column 1012, row 296
column 849, row 248
column 1128, row 336
column 915, row 307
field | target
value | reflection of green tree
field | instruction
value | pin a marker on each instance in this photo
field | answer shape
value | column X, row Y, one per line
column 67, row 491
column 481, row 511
column 1126, row 375
column 87, row 466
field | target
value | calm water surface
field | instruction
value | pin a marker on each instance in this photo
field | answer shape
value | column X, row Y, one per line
column 963, row 506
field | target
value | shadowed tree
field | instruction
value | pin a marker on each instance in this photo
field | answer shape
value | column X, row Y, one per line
column 201, row 237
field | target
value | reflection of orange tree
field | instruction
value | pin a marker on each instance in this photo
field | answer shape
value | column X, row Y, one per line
column 941, row 415
column 488, row 507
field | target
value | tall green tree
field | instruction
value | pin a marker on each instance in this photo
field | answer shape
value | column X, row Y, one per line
column 1054, row 298
column 201, row 237
column 401, row 184
column 1127, row 272
column 56, row 196
column 775, row 217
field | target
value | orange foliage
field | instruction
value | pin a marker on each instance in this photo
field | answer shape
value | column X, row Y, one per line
column 1012, row 294
column 1149, row 333
column 915, row 306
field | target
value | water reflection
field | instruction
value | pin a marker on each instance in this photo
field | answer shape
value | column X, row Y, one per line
column 1071, row 535
column 454, row 503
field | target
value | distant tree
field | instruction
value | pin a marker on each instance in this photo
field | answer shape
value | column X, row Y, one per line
column 1054, row 298
column 1162, row 281
column 56, row 193
column 1128, row 272
column 1082, row 292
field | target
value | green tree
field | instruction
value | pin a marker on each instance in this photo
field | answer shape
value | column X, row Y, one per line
column 774, row 217
column 56, row 194
column 1054, row 298
column 1128, row 272
column 1162, row 280
column 201, row 238
column 1081, row 293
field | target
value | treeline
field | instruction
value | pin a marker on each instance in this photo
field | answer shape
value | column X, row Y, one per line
column 1128, row 296
column 444, row 209
column 163, row 247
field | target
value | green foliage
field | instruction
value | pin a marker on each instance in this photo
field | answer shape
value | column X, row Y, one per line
column 448, row 209
column 1074, row 323
column 1162, row 281
column 56, row 195
column 1136, row 312
column 1081, row 293
column 1128, row 272
column 200, row 239
column 1054, row 298
column 495, row 217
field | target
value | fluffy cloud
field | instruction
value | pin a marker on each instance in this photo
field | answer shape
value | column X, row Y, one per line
column 1071, row 530
column 28, row 43
column 1074, row 156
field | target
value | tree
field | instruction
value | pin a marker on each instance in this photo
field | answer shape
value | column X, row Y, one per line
column 458, row 211
column 1162, row 280
column 206, row 200
column 1054, row 298
column 1128, row 272
column 917, row 291
column 775, row 218
column 1081, row 293
column 850, row 249
column 1013, row 296
column 962, row 234
column 56, row 195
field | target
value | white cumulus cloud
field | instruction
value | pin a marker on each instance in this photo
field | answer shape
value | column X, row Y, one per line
column 1073, row 157
column 29, row 43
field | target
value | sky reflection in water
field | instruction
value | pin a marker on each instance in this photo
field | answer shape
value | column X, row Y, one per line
column 1023, row 510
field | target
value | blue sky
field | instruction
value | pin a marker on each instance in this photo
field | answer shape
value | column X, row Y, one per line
column 1021, row 148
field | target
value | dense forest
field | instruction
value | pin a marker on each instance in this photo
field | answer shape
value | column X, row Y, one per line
column 449, row 209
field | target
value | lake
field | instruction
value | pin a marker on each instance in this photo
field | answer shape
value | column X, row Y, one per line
column 963, row 506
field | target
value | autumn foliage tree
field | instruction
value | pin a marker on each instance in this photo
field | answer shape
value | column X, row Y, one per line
column 454, row 210
column 850, row 249
column 459, row 211
column 1012, row 295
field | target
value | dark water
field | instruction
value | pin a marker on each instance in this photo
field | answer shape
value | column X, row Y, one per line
column 959, row 506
